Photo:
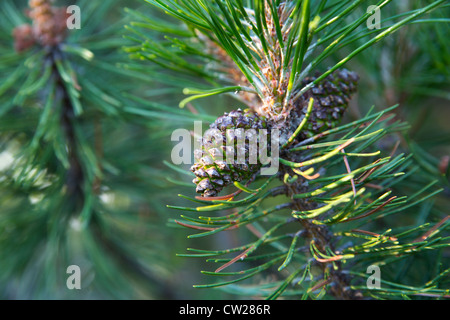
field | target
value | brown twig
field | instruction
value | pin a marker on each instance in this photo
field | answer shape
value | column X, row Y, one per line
column 366, row 174
column 227, row 197
column 372, row 234
column 374, row 186
column 191, row 108
column 443, row 164
column 349, row 170
column 432, row 230
column 332, row 259
column 383, row 118
column 241, row 256
column 394, row 150
column 254, row 231
column 193, row 227
column 187, row 225
column 371, row 211
column 320, row 285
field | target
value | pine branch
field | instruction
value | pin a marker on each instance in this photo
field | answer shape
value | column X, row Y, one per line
column 267, row 51
column 75, row 176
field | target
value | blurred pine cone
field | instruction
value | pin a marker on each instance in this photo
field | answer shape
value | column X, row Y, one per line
column 214, row 169
column 23, row 38
column 49, row 23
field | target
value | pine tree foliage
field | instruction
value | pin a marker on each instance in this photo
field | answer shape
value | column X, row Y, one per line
column 345, row 199
column 75, row 180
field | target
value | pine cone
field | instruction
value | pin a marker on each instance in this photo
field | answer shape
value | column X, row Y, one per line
column 331, row 97
column 23, row 37
column 214, row 170
column 49, row 23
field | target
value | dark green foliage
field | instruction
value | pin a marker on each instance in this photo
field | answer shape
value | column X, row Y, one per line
column 76, row 191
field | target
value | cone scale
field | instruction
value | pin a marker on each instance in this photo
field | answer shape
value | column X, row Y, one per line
column 331, row 99
column 215, row 168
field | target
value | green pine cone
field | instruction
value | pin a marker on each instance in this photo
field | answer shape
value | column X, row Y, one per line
column 331, row 97
column 213, row 169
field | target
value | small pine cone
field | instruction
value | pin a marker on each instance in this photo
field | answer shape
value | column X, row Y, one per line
column 49, row 23
column 213, row 169
column 331, row 98
column 23, row 37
